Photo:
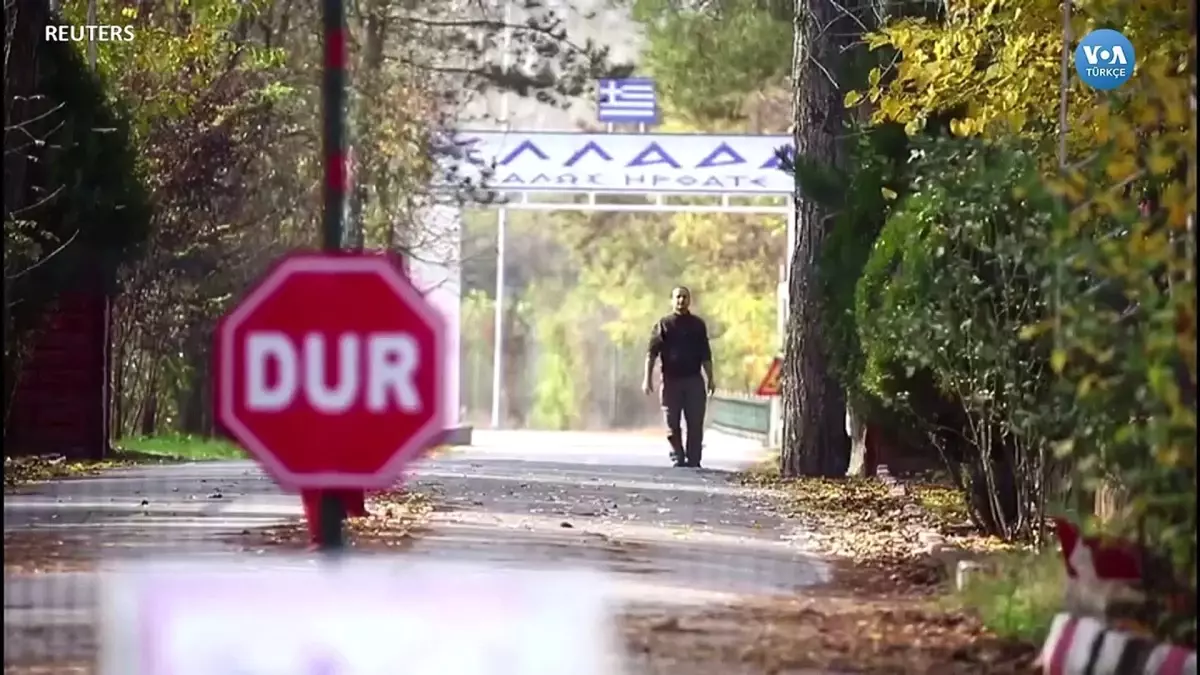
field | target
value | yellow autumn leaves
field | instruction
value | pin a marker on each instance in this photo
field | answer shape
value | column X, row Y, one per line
column 1128, row 177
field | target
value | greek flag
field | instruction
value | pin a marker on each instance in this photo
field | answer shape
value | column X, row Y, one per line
column 626, row 101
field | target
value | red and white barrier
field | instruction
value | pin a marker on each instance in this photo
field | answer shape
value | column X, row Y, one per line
column 1078, row 645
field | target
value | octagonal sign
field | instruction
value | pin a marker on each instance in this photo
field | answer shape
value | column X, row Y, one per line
column 330, row 372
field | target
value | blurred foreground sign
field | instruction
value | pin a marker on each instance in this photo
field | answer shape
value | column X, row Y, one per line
column 357, row 318
column 360, row 617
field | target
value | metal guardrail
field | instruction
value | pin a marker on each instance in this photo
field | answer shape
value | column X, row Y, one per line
column 741, row 414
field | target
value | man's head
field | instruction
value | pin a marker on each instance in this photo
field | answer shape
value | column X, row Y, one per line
column 681, row 299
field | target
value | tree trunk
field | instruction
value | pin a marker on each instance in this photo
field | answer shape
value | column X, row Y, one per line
column 1111, row 502
column 860, row 461
column 149, row 421
column 374, row 29
column 814, row 434
column 194, row 404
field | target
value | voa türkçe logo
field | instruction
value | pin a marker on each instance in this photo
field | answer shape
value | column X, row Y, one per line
column 1104, row 59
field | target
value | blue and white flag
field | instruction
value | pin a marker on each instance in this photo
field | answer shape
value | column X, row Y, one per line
column 627, row 101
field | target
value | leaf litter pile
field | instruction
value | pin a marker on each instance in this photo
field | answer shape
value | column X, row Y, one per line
column 28, row 469
column 887, row 538
column 890, row 546
column 393, row 519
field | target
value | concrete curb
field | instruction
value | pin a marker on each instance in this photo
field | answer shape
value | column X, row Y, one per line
column 457, row 437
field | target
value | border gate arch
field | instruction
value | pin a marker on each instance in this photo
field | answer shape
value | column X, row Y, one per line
column 677, row 172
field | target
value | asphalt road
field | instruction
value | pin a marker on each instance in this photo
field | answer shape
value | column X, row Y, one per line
column 516, row 498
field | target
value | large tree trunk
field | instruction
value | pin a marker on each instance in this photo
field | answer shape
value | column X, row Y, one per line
column 814, row 409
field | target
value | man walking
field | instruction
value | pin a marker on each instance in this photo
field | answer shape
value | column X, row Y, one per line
column 680, row 341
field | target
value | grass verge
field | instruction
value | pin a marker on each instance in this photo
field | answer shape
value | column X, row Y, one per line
column 26, row 469
column 821, row 635
column 181, row 447
column 1019, row 597
column 129, row 451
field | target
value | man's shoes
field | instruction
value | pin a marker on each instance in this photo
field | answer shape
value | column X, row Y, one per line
column 692, row 465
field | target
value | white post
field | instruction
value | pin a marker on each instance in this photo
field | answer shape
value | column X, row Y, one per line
column 775, row 431
column 501, row 234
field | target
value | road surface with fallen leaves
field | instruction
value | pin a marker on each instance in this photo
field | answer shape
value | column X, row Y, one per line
column 670, row 536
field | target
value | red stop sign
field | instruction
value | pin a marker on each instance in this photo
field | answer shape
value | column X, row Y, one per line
column 330, row 372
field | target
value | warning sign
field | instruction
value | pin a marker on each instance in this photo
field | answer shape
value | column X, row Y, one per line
column 770, row 383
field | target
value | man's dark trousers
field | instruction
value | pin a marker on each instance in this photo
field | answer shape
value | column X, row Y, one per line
column 685, row 397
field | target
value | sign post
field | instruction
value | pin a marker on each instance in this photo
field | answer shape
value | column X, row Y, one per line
column 770, row 386
column 331, row 512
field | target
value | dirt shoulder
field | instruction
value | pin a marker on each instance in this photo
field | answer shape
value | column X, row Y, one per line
column 886, row 609
column 828, row 633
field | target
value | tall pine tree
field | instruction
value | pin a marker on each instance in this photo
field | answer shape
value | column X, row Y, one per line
column 814, row 405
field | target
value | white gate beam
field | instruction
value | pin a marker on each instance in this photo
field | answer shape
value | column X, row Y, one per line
column 649, row 208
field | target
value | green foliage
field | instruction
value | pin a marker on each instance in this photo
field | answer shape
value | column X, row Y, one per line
column 861, row 202
column 100, row 212
column 1126, row 325
column 956, row 273
column 707, row 62
column 1020, row 599
column 556, row 394
column 176, row 57
column 1050, row 297
column 946, row 252
column 76, row 207
column 182, row 447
